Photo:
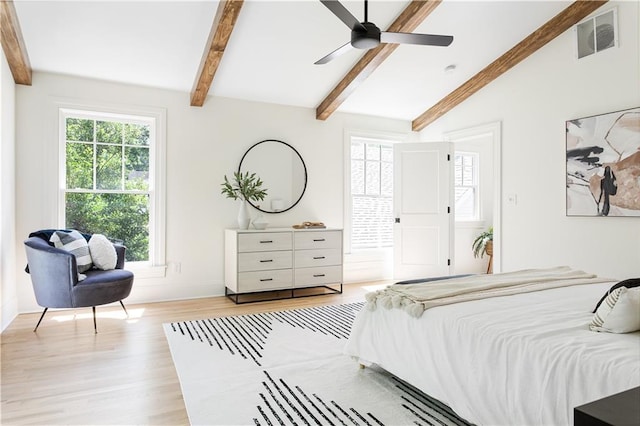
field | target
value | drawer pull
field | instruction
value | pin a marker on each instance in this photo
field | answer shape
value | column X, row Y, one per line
column 318, row 257
column 318, row 275
column 266, row 279
column 267, row 260
column 318, row 240
column 265, row 241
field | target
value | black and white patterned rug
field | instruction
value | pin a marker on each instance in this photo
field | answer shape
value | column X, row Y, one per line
column 287, row 368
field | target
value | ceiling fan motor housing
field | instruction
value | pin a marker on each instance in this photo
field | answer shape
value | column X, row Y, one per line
column 365, row 39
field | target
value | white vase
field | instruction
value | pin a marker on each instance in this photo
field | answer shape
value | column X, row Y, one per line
column 243, row 215
column 260, row 222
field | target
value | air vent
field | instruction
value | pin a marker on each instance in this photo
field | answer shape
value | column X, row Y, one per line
column 596, row 34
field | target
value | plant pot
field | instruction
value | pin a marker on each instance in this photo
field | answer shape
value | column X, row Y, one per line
column 489, row 248
column 489, row 251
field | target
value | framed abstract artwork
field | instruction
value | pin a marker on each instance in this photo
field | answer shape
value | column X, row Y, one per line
column 603, row 164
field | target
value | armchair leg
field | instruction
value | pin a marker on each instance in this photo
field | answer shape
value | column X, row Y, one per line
column 95, row 327
column 40, row 320
column 125, row 309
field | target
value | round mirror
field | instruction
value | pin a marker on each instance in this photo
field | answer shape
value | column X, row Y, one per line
column 282, row 170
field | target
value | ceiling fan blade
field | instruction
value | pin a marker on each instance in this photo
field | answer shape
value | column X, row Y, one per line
column 331, row 56
column 411, row 38
column 343, row 14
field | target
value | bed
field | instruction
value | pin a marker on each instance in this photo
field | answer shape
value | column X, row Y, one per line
column 519, row 359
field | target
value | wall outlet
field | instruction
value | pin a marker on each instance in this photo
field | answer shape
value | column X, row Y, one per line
column 512, row 199
column 175, row 267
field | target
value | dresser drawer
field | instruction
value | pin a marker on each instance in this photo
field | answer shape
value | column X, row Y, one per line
column 264, row 260
column 325, row 257
column 309, row 277
column 267, row 241
column 318, row 239
column 265, row 280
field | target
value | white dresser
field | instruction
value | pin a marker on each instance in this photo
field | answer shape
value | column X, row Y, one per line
column 282, row 259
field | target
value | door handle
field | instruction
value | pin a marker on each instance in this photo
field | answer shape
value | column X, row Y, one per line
column 397, row 220
column 318, row 257
column 265, row 261
column 266, row 279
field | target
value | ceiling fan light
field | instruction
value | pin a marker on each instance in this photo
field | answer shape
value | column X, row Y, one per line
column 366, row 39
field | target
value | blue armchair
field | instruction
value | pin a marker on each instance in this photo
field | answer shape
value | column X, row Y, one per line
column 54, row 275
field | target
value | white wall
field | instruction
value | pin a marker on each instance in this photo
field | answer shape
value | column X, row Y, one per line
column 8, row 298
column 203, row 144
column 533, row 101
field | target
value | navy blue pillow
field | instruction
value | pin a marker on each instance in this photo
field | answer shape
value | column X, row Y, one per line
column 630, row 283
column 45, row 234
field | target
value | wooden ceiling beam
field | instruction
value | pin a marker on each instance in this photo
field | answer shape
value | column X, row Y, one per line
column 223, row 23
column 13, row 44
column 412, row 16
column 543, row 35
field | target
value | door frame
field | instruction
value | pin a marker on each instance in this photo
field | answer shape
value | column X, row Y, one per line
column 493, row 130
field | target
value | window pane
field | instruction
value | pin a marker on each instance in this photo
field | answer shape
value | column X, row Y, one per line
column 357, row 177
column 136, row 168
column 357, row 151
column 123, row 217
column 136, row 134
column 373, row 152
column 387, row 179
column 108, row 167
column 386, row 153
column 465, row 203
column 79, row 165
column 79, row 130
column 372, row 222
column 109, row 132
column 373, row 178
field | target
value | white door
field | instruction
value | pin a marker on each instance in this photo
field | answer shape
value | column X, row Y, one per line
column 423, row 222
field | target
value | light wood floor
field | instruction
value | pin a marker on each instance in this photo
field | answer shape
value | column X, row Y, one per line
column 66, row 374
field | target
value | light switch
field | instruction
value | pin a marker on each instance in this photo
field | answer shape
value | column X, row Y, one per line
column 512, row 199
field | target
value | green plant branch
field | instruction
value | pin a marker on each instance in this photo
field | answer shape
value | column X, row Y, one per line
column 244, row 186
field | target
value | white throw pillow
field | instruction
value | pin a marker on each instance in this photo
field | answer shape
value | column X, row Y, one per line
column 103, row 252
column 619, row 312
column 74, row 243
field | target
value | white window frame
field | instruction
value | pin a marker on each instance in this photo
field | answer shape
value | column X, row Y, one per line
column 476, row 185
column 155, row 267
column 381, row 137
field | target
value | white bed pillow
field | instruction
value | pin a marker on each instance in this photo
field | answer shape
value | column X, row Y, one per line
column 74, row 243
column 619, row 312
column 103, row 252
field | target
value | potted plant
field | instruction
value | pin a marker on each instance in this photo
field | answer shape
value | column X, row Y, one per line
column 484, row 244
column 245, row 187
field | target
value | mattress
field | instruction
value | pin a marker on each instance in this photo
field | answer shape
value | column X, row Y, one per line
column 525, row 359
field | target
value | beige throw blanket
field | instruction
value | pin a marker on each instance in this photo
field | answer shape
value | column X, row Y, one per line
column 415, row 298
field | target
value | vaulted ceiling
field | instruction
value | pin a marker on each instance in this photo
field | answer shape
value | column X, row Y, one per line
column 264, row 50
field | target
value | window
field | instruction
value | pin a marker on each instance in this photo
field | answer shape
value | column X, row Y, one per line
column 108, row 180
column 466, row 186
column 371, row 194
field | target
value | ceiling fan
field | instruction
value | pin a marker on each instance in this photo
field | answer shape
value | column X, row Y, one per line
column 366, row 35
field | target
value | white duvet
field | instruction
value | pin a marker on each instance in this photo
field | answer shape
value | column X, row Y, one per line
column 525, row 359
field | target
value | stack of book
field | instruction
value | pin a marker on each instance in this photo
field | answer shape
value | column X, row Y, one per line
column 310, row 225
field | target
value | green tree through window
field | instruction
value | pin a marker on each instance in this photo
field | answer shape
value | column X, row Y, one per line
column 107, row 188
